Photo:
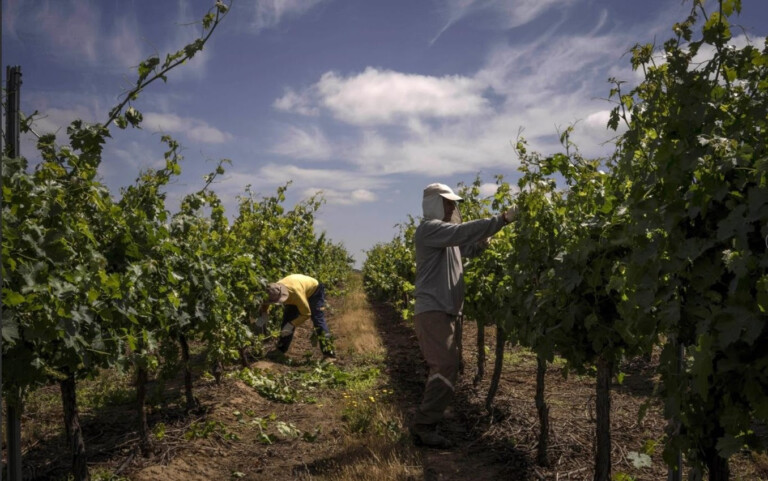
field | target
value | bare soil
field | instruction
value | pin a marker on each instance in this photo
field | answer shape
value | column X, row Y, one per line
column 490, row 446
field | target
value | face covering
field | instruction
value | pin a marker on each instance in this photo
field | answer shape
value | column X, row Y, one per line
column 433, row 209
column 456, row 216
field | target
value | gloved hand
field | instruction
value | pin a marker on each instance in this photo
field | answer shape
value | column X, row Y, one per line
column 262, row 320
column 510, row 214
column 287, row 329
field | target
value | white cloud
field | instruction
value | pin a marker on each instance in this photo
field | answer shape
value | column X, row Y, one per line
column 270, row 13
column 443, row 125
column 337, row 186
column 488, row 189
column 362, row 195
column 164, row 122
column 342, row 197
column 385, row 97
column 56, row 120
column 296, row 103
column 208, row 134
column 444, row 150
column 333, row 179
column 433, row 126
column 707, row 52
column 132, row 156
column 598, row 119
column 429, row 125
column 306, row 144
column 194, row 129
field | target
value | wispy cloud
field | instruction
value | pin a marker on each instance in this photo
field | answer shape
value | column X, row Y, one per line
column 336, row 186
column 130, row 156
column 81, row 33
column 186, row 30
column 342, row 197
column 270, row 13
column 194, row 129
column 54, row 120
column 10, row 17
column 78, row 30
column 304, row 144
column 335, row 179
column 81, row 38
column 506, row 14
column 124, row 44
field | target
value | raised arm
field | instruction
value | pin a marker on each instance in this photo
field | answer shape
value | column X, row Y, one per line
column 436, row 233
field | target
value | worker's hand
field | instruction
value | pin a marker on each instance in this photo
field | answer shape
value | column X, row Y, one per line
column 510, row 214
column 288, row 329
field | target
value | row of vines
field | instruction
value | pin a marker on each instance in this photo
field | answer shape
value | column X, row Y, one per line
column 662, row 245
column 94, row 280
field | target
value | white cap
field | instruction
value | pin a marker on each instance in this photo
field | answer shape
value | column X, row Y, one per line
column 441, row 190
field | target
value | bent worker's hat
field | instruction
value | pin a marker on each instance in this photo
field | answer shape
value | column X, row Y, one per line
column 277, row 293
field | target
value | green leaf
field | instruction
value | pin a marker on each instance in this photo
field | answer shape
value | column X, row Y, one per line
column 729, row 6
column 728, row 445
column 10, row 331
column 11, row 298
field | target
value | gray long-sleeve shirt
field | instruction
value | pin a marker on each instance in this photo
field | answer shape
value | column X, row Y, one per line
column 439, row 271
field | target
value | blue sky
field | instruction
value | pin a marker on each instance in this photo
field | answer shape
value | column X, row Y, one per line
column 365, row 100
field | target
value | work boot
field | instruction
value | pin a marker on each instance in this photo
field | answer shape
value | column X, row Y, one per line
column 329, row 357
column 276, row 355
column 427, row 435
column 453, row 426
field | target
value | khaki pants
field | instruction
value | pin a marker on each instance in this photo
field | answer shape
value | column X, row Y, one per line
column 435, row 331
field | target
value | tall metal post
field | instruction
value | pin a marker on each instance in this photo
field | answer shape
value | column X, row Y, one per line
column 12, row 127
column 1, row 242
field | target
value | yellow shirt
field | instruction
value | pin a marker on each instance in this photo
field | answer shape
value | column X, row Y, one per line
column 300, row 288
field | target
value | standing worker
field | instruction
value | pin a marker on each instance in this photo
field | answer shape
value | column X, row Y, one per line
column 303, row 298
column 441, row 241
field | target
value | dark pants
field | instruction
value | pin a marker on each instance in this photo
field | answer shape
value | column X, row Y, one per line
column 316, row 305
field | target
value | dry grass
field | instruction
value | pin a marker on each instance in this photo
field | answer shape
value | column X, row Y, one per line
column 384, row 462
column 354, row 324
column 382, row 453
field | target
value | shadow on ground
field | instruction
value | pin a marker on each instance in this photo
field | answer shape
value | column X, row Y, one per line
column 475, row 456
column 110, row 432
